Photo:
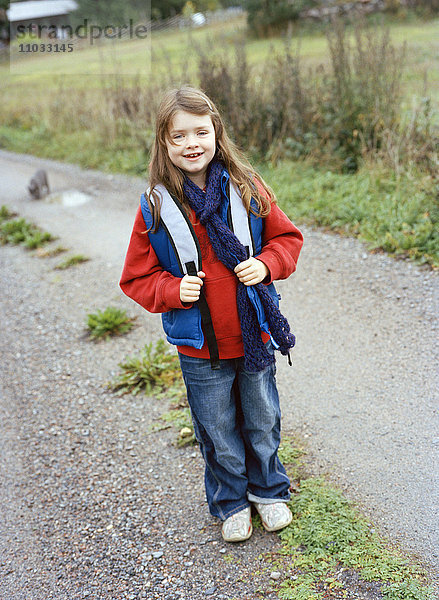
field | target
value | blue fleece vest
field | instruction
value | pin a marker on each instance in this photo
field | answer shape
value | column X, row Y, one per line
column 176, row 245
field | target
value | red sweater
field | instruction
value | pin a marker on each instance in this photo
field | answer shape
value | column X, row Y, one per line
column 144, row 280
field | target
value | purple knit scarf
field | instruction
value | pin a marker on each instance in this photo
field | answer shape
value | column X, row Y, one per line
column 230, row 252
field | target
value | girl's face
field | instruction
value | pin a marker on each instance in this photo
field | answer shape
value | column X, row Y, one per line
column 191, row 144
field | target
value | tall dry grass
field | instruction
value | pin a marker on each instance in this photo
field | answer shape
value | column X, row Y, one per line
column 338, row 114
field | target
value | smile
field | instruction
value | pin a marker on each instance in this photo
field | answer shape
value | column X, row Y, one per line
column 194, row 155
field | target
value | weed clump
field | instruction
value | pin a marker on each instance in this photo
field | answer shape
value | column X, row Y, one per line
column 50, row 252
column 20, row 232
column 5, row 213
column 109, row 322
column 181, row 419
column 153, row 370
column 76, row 259
column 334, row 114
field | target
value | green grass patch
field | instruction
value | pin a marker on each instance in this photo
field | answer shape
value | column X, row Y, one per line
column 82, row 147
column 154, row 370
column 21, row 232
column 109, row 322
column 328, row 538
column 37, row 239
column 290, row 454
column 397, row 215
column 75, row 259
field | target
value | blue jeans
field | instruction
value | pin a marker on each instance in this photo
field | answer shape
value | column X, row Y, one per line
column 236, row 418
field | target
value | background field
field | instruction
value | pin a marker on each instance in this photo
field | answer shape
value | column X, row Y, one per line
column 104, row 120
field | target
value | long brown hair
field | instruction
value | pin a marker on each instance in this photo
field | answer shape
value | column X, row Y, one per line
column 162, row 170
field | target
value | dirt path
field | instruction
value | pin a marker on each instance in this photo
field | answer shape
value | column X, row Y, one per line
column 363, row 391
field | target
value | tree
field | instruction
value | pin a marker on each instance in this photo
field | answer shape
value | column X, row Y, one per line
column 205, row 5
column 264, row 16
column 102, row 12
column 4, row 23
column 163, row 9
column 117, row 13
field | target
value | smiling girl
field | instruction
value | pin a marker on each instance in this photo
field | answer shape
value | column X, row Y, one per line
column 208, row 242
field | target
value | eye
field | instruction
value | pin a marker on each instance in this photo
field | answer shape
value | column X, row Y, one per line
column 203, row 132
column 177, row 138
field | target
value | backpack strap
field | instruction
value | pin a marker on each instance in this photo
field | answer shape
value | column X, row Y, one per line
column 179, row 229
column 239, row 220
column 206, row 319
column 182, row 238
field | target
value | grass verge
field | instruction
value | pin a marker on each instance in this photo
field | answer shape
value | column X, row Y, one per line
column 124, row 155
column 330, row 548
column 399, row 215
column 395, row 214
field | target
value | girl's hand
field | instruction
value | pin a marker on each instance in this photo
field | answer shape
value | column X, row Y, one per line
column 190, row 287
column 251, row 271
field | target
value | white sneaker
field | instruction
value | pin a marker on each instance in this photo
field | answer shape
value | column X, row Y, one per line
column 238, row 527
column 274, row 516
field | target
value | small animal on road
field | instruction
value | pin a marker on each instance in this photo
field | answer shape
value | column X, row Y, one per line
column 39, row 185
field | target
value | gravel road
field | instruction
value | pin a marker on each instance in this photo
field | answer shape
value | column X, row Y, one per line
column 95, row 505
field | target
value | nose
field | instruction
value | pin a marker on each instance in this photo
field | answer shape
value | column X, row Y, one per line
column 191, row 141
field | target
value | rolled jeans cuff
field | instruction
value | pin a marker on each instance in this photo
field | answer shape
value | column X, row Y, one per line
column 252, row 498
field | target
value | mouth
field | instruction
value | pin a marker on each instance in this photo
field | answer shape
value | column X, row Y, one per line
column 193, row 155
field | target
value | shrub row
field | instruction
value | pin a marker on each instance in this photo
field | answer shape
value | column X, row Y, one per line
column 337, row 113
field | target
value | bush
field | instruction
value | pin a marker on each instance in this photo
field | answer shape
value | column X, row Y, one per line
column 266, row 18
column 338, row 113
column 363, row 98
column 228, row 81
column 425, row 7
